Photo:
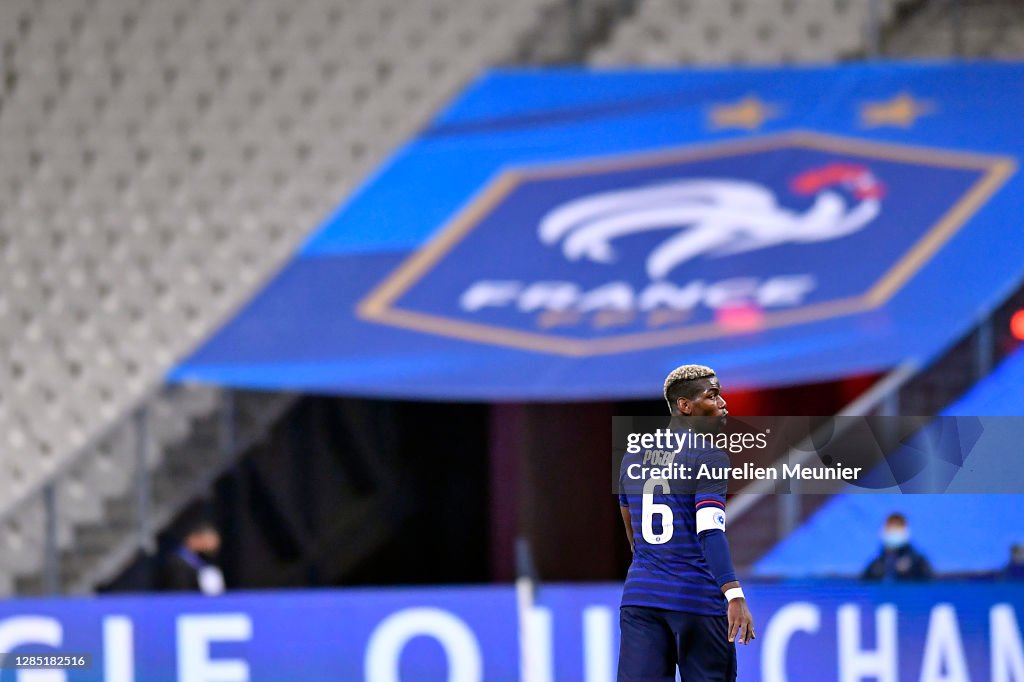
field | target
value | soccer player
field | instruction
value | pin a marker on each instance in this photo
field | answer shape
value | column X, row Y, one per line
column 681, row 604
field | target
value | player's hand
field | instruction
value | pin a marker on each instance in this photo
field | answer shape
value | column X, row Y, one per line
column 741, row 623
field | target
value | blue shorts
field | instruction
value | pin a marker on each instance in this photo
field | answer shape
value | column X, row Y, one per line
column 654, row 642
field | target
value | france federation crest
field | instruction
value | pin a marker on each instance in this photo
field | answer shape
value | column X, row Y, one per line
column 611, row 255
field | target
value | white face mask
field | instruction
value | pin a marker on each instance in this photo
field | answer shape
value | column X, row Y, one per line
column 211, row 580
column 894, row 537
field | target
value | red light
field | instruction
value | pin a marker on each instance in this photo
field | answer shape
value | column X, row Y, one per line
column 740, row 318
column 1017, row 324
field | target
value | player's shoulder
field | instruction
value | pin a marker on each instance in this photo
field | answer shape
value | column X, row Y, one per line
column 711, row 455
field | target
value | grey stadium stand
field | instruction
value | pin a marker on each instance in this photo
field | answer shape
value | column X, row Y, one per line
column 664, row 32
column 159, row 159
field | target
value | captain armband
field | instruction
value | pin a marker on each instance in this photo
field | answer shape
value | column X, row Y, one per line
column 710, row 517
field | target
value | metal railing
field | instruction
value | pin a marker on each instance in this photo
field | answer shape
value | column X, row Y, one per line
column 139, row 460
column 139, row 463
column 158, row 515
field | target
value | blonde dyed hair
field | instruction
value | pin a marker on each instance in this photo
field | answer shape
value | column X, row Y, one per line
column 685, row 373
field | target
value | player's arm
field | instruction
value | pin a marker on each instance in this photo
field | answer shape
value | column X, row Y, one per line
column 710, row 503
column 711, row 533
column 627, row 521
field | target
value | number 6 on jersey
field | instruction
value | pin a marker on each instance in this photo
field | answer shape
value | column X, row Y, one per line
column 650, row 509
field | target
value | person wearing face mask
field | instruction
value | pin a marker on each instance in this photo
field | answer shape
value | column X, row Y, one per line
column 898, row 560
column 190, row 566
column 1015, row 568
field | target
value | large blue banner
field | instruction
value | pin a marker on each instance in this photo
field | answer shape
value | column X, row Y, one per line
column 806, row 632
column 575, row 234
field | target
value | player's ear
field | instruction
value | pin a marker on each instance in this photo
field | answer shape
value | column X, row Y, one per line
column 683, row 405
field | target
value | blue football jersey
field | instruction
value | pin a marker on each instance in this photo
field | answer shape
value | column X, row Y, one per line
column 669, row 570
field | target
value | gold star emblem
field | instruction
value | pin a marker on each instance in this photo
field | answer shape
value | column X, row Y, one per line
column 901, row 111
column 749, row 113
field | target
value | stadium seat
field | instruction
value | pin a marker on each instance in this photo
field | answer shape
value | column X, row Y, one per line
column 747, row 31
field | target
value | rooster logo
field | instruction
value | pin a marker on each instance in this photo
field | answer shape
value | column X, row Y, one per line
column 714, row 217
